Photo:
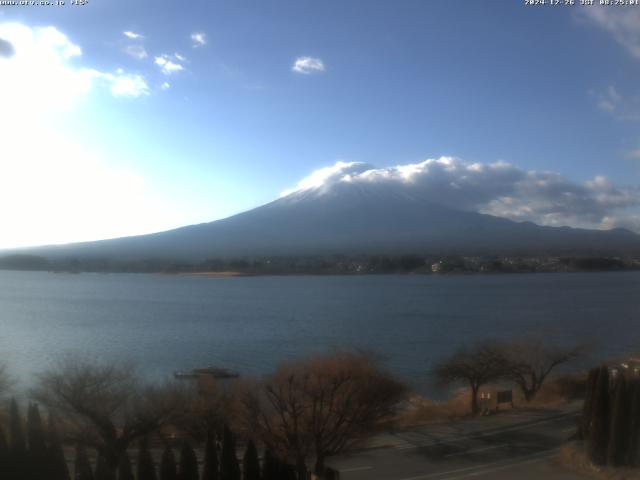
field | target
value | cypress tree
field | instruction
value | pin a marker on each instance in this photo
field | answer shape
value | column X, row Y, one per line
column 146, row 469
column 229, row 466
column 275, row 469
column 18, row 443
column 188, row 462
column 331, row 474
column 211, row 469
column 82, row 469
column 250, row 462
column 125, row 472
column 270, row 468
column 37, row 446
column 35, row 432
column 103, row 469
column 287, row 472
column 619, row 437
column 19, row 467
column 4, row 453
column 598, row 438
column 634, row 423
column 58, row 468
column 4, row 446
column 168, row 470
column 585, row 419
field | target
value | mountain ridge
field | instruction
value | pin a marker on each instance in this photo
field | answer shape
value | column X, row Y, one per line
column 351, row 219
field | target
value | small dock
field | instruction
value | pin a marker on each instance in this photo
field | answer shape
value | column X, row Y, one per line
column 207, row 372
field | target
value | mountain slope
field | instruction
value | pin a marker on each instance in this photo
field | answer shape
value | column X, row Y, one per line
column 357, row 220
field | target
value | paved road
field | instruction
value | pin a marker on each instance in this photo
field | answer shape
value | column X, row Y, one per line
column 518, row 444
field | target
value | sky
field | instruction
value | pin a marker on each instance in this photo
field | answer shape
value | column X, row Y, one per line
column 120, row 118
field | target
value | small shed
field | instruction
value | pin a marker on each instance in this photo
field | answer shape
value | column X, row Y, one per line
column 494, row 399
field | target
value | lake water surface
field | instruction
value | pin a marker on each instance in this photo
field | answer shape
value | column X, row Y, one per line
column 165, row 323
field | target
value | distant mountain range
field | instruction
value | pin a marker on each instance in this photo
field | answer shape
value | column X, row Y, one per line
column 353, row 218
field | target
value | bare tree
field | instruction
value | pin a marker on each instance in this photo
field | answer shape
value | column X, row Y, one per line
column 320, row 407
column 474, row 366
column 105, row 406
column 206, row 409
column 528, row 363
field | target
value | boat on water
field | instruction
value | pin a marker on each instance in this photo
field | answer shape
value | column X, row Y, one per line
column 214, row 372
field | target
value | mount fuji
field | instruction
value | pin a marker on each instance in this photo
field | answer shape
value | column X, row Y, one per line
column 353, row 218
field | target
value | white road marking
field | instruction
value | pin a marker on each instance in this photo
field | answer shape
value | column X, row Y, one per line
column 476, row 450
column 355, row 469
column 478, row 434
column 526, row 459
column 498, row 469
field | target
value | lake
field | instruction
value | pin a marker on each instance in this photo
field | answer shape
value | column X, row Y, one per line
column 165, row 323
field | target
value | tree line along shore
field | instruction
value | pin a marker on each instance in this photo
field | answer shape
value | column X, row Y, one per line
column 331, row 264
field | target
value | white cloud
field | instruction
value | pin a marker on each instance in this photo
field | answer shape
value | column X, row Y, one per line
column 120, row 84
column 622, row 23
column 308, row 65
column 132, row 35
column 167, row 65
column 198, row 39
column 39, row 54
column 6, row 49
column 129, row 86
column 327, row 176
column 179, row 57
column 633, row 154
column 47, row 53
column 165, row 86
column 500, row 189
column 609, row 100
column 613, row 102
column 136, row 51
column 54, row 188
column 58, row 40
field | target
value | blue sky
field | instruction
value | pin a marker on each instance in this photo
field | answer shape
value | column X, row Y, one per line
column 131, row 117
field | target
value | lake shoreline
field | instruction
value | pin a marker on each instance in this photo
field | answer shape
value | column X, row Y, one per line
column 225, row 274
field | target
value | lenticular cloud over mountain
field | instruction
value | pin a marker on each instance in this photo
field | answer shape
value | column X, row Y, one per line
column 499, row 189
